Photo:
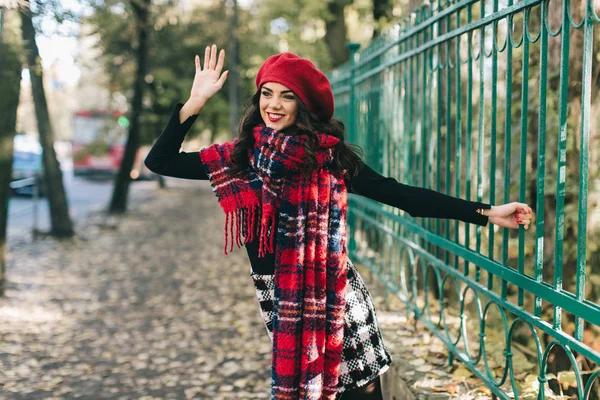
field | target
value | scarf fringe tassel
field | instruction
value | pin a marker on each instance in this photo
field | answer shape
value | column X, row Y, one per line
column 267, row 242
column 242, row 222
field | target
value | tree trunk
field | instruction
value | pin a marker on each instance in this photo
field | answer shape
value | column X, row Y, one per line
column 118, row 202
column 382, row 12
column 234, row 75
column 161, row 182
column 335, row 32
column 61, row 225
column 10, row 84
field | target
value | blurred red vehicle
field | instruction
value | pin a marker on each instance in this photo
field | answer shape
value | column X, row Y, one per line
column 98, row 142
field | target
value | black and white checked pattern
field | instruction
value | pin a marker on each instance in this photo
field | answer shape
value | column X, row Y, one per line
column 365, row 355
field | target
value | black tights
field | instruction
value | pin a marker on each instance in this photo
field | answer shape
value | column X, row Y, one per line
column 370, row 391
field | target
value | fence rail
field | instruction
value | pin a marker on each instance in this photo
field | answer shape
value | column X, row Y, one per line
column 488, row 101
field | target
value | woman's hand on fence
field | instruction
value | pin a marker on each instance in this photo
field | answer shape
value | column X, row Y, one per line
column 510, row 215
column 208, row 80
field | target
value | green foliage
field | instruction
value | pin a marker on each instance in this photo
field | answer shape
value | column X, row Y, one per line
column 302, row 26
column 51, row 17
column 177, row 34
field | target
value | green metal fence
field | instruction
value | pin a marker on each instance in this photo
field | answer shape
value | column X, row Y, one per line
column 488, row 101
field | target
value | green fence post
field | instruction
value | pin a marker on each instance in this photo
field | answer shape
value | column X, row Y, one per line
column 351, row 134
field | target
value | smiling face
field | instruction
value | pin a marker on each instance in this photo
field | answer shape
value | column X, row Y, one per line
column 278, row 106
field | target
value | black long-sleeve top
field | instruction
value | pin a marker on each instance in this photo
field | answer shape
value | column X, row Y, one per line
column 165, row 159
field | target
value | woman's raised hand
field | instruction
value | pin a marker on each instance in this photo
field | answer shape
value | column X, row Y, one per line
column 208, row 80
column 510, row 215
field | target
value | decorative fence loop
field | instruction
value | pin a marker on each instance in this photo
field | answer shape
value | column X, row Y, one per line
column 574, row 24
column 588, row 386
column 547, row 24
column 479, row 315
column 511, row 18
column 589, row 6
column 509, row 344
column 442, row 303
column 499, row 49
column 476, row 37
column 482, row 43
column 526, row 27
column 439, row 292
column 506, row 368
column 544, row 379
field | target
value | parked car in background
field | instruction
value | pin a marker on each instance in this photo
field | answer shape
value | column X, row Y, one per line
column 27, row 163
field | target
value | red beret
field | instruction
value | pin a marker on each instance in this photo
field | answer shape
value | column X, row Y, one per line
column 302, row 77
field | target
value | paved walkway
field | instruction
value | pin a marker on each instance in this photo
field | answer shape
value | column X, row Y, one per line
column 146, row 307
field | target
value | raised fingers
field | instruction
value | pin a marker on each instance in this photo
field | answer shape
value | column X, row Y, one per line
column 197, row 62
column 213, row 57
column 220, row 62
column 222, row 79
column 206, row 57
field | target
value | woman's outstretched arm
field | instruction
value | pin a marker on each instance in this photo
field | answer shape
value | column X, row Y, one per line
column 421, row 202
column 165, row 159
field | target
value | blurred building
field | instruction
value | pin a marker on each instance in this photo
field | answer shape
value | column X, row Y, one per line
column 92, row 90
column 59, row 97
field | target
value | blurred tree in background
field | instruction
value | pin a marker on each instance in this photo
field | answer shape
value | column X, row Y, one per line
column 10, row 84
column 60, row 219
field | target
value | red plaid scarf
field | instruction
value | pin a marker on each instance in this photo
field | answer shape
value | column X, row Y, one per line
column 310, row 251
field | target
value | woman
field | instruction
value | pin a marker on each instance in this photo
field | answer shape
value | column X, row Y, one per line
column 283, row 186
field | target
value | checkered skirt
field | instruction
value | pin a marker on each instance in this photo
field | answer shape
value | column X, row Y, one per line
column 365, row 355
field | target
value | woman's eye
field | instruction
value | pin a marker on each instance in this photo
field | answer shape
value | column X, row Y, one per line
column 289, row 97
column 265, row 93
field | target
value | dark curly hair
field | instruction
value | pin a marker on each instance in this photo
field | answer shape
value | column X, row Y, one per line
column 347, row 157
